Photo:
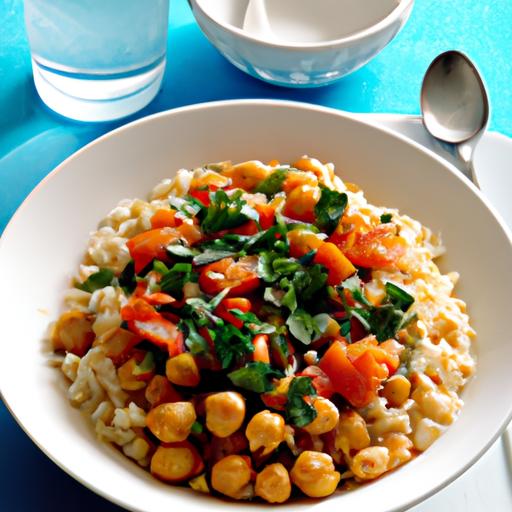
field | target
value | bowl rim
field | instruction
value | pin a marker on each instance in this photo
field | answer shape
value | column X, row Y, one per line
column 400, row 505
column 401, row 7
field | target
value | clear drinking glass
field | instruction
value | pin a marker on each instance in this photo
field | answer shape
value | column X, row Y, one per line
column 97, row 60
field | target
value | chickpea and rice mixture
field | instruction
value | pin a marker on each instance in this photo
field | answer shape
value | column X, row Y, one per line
column 261, row 330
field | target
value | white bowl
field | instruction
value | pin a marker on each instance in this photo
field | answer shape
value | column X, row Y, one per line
column 45, row 240
column 337, row 36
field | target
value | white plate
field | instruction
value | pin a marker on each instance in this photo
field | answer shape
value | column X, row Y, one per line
column 487, row 483
column 45, row 239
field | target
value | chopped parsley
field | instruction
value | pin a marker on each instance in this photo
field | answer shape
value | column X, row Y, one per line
column 97, row 281
column 255, row 376
column 330, row 208
column 299, row 412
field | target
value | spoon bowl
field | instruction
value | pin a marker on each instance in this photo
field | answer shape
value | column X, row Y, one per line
column 454, row 102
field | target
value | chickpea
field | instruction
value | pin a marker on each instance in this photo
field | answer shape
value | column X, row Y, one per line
column 171, row 422
column 351, row 433
column 370, row 462
column 182, row 370
column 273, row 484
column 231, row 476
column 326, row 417
column 314, row 474
column 225, row 413
column 126, row 377
column 396, row 390
column 160, row 391
column 73, row 332
column 176, row 463
column 266, row 429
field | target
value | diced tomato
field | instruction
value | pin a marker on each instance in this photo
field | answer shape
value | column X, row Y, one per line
column 161, row 332
column 301, row 242
column 267, row 215
column 374, row 372
column 159, row 298
column 165, row 219
column 203, row 196
column 240, row 276
column 240, row 303
column 190, row 231
column 155, row 299
column 274, row 400
column 173, row 317
column 137, row 308
column 357, row 331
column 346, row 380
column 147, row 323
column 338, row 265
column 379, row 248
column 261, row 352
column 203, row 331
column 221, row 447
column 304, row 441
column 247, row 229
column 295, row 179
column 147, row 246
column 321, row 382
column 386, row 353
column 393, row 350
column 301, row 202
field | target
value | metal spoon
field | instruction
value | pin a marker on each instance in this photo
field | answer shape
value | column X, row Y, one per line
column 454, row 103
column 256, row 20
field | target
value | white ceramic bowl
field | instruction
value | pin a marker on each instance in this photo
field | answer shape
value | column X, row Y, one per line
column 339, row 36
column 45, row 240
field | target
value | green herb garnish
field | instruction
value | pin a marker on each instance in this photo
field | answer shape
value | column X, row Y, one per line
column 227, row 211
column 384, row 320
column 96, row 281
column 330, row 208
column 273, row 184
column 194, row 341
column 298, row 412
column 255, row 376
column 302, row 326
column 181, row 251
column 173, row 281
column 231, row 344
column 398, row 297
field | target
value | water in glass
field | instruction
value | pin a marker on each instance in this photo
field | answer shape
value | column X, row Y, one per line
column 97, row 60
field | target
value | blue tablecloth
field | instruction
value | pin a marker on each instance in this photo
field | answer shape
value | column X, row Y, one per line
column 33, row 140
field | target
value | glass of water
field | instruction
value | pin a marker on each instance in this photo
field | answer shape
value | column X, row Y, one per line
column 97, row 60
